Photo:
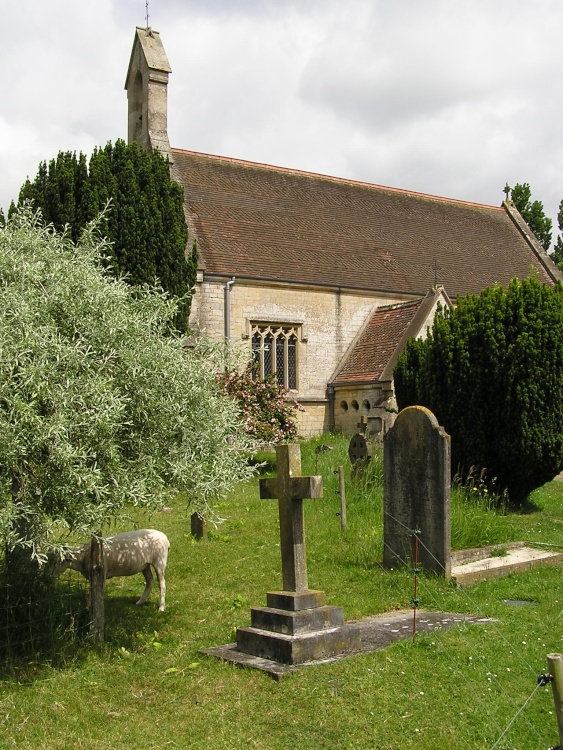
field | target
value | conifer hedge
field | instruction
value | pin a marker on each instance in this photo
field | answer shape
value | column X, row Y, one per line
column 491, row 370
column 145, row 222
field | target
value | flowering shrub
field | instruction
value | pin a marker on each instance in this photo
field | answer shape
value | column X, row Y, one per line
column 268, row 415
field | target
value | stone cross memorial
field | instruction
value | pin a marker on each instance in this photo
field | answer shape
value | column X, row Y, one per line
column 290, row 489
column 296, row 626
column 297, row 629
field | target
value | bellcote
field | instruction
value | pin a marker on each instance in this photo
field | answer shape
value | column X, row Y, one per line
column 146, row 85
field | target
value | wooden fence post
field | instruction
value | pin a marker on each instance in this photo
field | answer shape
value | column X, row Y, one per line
column 97, row 581
column 555, row 665
column 198, row 526
column 342, row 493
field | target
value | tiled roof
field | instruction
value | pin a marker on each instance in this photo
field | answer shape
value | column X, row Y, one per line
column 262, row 222
column 377, row 343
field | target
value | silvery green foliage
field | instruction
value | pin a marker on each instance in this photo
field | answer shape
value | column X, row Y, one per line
column 99, row 410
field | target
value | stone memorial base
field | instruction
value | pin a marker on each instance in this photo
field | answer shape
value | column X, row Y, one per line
column 294, row 629
column 475, row 565
column 297, row 627
column 371, row 633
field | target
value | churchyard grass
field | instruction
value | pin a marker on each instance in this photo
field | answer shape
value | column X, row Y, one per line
column 150, row 687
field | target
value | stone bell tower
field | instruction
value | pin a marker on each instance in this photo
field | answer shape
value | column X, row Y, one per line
column 146, row 85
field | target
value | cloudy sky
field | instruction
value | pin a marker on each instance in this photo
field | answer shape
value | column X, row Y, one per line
column 448, row 97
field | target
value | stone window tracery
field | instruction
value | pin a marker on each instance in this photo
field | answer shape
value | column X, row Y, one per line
column 274, row 352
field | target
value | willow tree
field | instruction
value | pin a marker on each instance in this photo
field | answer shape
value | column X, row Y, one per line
column 99, row 410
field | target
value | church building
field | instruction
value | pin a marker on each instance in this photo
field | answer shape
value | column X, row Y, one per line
column 323, row 279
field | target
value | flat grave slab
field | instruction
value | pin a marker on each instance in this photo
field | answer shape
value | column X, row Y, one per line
column 375, row 633
column 472, row 566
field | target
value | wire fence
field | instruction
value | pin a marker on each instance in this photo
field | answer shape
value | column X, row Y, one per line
column 484, row 706
column 40, row 619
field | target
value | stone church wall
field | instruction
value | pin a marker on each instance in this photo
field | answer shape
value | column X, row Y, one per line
column 328, row 321
column 374, row 404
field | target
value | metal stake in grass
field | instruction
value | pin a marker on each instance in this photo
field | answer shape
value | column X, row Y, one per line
column 416, row 571
column 342, row 492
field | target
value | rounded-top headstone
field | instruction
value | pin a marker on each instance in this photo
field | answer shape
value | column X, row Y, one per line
column 417, row 489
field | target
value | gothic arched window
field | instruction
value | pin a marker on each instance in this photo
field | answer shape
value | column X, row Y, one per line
column 274, row 352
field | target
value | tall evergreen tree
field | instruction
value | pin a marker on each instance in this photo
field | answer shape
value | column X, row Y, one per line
column 491, row 370
column 532, row 213
column 145, row 222
column 557, row 254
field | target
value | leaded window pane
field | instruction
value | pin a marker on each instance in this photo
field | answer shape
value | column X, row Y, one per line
column 292, row 362
column 268, row 354
column 274, row 351
column 280, row 360
column 256, row 355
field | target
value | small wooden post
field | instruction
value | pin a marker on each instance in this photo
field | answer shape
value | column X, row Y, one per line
column 555, row 666
column 198, row 526
column 342, row 493
column 97, row 581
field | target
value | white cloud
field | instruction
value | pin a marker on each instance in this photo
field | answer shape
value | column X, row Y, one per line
column 440, row 97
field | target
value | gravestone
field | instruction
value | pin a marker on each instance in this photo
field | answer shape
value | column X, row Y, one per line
column 296, row 626
column 416, row 495
column 359, row 451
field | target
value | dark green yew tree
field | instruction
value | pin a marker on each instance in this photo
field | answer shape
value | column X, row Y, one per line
column 145, row 222
column 491, row 370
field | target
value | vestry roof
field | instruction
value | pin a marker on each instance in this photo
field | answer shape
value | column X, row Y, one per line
column 377, row 343
column 269, row 223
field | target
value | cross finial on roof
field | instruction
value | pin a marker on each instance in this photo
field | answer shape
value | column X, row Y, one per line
column 147, row 13
column 506, row 191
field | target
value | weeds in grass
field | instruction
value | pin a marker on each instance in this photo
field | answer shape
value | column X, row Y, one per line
column 479, row 516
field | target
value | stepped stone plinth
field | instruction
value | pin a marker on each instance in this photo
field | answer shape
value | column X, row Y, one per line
column 296, row 626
